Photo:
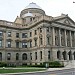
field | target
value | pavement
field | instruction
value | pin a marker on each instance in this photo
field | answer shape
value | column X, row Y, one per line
column 70, row 64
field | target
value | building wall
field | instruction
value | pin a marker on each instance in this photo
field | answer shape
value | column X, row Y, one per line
column 52, row 39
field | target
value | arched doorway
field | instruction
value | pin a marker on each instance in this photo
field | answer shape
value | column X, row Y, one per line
column 64, row 55
column 74, row 55
column 0, row 56
column 24, row 56
column 58, row 55
column 9, row 56
column 17, row 56
column 70, row 55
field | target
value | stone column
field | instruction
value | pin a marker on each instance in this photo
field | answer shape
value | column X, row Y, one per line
column 59, row 37
column 53, row 36
column 4, row 41
column 65, row 38
column 70, row 39
column 67, row 55
column 38, row 35
column 74, row 38
column 44, row 36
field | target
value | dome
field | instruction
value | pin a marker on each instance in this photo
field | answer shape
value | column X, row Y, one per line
column 33, row 5
column 33, row 9
column 28, row 15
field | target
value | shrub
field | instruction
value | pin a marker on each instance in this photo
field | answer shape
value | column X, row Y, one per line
column 3, row 64
column 53, row 64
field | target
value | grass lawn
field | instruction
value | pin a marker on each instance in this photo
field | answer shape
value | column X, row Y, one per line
column 19, row 70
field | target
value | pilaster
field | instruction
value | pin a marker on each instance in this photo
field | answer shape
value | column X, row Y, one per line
column 70, row 39
column 59, row 37
column 65, row 38
column 53, row 35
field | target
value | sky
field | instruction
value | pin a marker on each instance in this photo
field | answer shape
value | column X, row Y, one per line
column 10, row 9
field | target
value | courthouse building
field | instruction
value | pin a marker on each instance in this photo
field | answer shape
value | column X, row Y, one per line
column 34, row 38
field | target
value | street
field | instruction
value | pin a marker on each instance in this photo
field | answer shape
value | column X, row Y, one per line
column 59, row 72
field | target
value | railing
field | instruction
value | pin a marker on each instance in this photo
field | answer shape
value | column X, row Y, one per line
column 49, row 18
column 15, row 25
column 10, row 24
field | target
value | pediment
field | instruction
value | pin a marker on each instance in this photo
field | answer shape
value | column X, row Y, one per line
column 66, row 20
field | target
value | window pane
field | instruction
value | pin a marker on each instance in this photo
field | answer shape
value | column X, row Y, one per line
column 30, row 34
column 9, row 56
column 17, row 44
column 17, row 56
column 17, row 35
column 0, row 43
column 9, row 43
column 24, row 35
column 1, row 33
column 9, row 34
column 24, row 44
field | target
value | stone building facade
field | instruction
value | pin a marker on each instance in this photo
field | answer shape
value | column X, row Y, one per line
column 34, row 38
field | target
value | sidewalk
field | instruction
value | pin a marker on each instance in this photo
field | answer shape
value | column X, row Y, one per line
column 70, row 65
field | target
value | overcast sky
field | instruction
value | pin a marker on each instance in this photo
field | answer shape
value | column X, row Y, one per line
column 9, row 9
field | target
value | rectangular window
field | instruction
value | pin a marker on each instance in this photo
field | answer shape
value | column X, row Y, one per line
column 24, row 35
column 40, row 30
column 35, row 32
column 1, row 33
column 30, row 19
column 40, row 55
column 47, row 29
column 48, row 54
column 48, row 40
column 31, row 56
column 17, row 35
column 9, row 56
column 35, row 42
column 17, row 44
column 0, row 43
column 41, row 42
column 9, row 44
column 30, row 34
column 35, row 55
column 30, row 43
column 9, row 34
column 24, row 44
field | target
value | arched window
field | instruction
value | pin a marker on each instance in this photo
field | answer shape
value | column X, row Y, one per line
column 64, row 55
column 9, row 56
column 70, row 55
column 17, row 56
column 74, row 55
column 0, row 56
column 24, row 56
column 58, row 54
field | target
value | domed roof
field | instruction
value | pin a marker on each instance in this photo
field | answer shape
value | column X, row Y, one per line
column 33, row 5
column 33, row 8
column 28, row 15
